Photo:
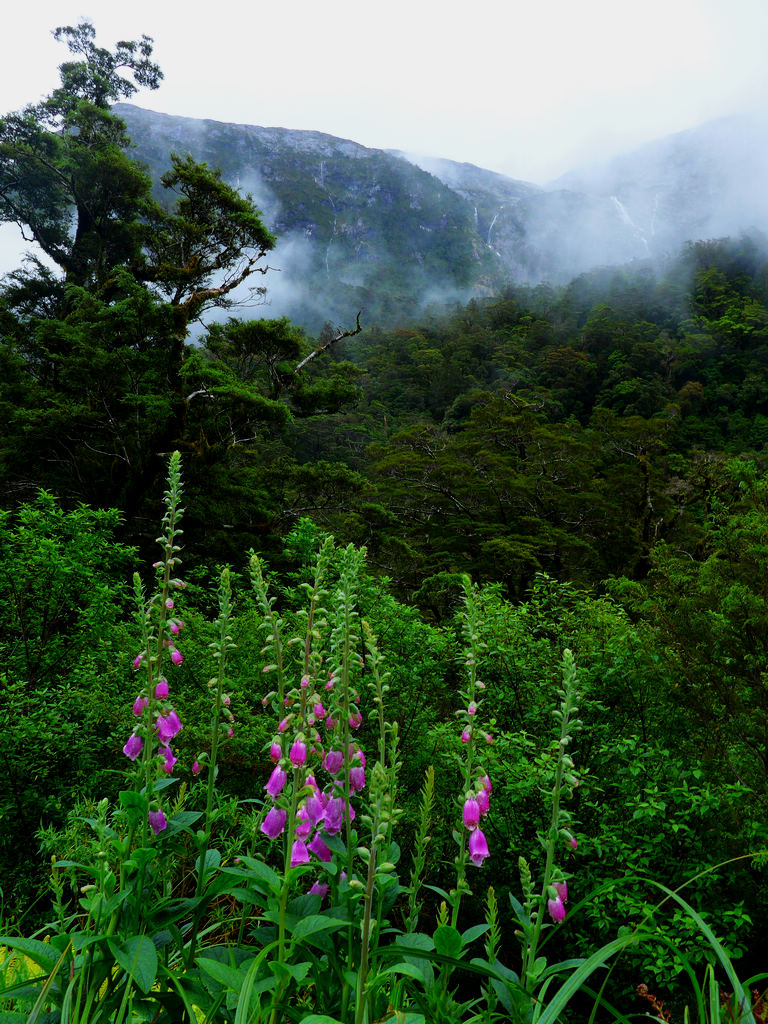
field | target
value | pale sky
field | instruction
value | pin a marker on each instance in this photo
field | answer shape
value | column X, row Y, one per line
column 530, row 89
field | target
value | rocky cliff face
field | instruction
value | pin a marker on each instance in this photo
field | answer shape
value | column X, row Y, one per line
column 389, row 233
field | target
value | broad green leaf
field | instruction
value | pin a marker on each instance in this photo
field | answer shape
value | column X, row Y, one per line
column 138, row 957
column 313, row 924
column 39, row 952
column 448, row 940
column 229, row 977
column 473, row 933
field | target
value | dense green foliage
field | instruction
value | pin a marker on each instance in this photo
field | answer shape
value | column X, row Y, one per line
column 593, row 457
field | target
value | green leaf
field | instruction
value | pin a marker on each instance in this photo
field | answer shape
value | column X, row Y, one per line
column 296, row 971
column 448, row 940
column 315, row 923
column 229, row 977
column 131, row 800
column 411, row 970
column 473, row 933
column 138, row 957
column 39, row 952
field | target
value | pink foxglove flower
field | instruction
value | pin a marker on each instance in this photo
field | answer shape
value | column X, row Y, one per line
column 133, row 747
column 318, row 710
column 157, row 821
column 176, row 656
column 356, row 778
column 303, row 824
column 298, row 753
column 138, row 706
column 466, row 736
column 333, row 761
column 319, row 847
column 556, row 910
column 483, row 802
column 334, row 811
column 168, row 726
column 478, row 847
column 137, row 661
column 471, row 813
column 472, row 709
column 276, row 782
column 169, row 759
column 161, row 690
column 299, row 853
column 196, row 767
column 562, row 890
column 321, row 888
column 275, row 752
column 274, row 823
column 315, row 807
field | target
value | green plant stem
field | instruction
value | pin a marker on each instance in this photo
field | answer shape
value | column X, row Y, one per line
column 365, row 938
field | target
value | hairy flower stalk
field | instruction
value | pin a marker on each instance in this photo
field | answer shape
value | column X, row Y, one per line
column 381, row 819
column 221, row 726
column 476, row 784
column 150, row 743
column 554, row 890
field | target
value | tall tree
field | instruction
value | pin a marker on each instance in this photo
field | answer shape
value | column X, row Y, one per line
column 93, row 326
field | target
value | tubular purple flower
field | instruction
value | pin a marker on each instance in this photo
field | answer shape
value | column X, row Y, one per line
column 334, row 811
column 277, row 781
column 304, row 825
column 157, row 821
column 275, row 752
column 319, row 847
column 466, row 736
column 133, row 747
column 137, row 661
column 562, row 890
column 161, row 690
column 472, row 709
column 138, row 706
column 315, row 808
column 299, row 853
column 321, row 888
column 471, row 813
column 333, row 761
column 168, row 726
column 356, row 778
column 478, row 847
column 274, row 823
column 169, row 759
column 556, row 910
column 196, row 767
column 298, row 754
column 318, row 710
column 483, row 801
column 176, row 656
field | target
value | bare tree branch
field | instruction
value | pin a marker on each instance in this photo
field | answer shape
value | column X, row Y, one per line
column 328, row 344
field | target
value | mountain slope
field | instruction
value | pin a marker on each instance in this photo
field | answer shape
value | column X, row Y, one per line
column 362, row 228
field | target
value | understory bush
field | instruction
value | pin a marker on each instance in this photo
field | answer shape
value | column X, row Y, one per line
column 419, row 841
